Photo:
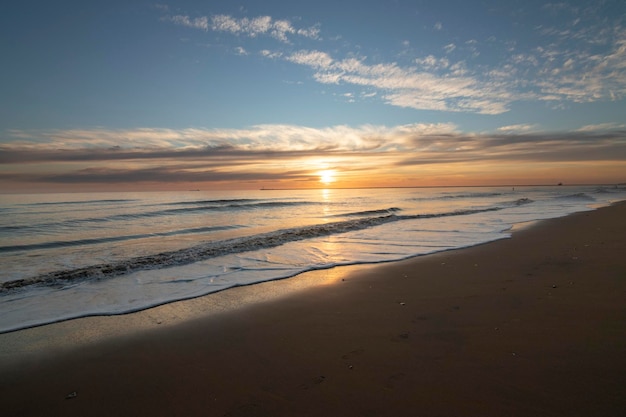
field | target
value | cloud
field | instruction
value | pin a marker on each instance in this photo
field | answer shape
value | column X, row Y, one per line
column 411, row 87
column 254, row 27
column 277, row 139
column 290, row 153
column 449, row 48
column 602, row 127
column 312, row 32
column 586, row 77
column 160, row 174
column 524, row 127
column 434, row 84
column 581, row 59
column 570, row 147
column 559, row 7
column 260, row 140
column 314, row 59
column 260, row 137
column 270, row 54
column 578, row 57
column 197, row 23
column 432, row 63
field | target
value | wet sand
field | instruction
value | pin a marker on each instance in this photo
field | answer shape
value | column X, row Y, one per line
column 534, row 325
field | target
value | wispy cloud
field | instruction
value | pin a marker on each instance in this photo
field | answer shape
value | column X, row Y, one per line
column 582, row 60
column 413, row 87
column 162, row 174
column 524, row 148
column 433, row 63
column 196, row 23
column 525, row 127
column 279, row 29
column 290, row 152
column 259, row 138
column 449, row 48
column 585, row 77
column 602, row 127
column 270, row 54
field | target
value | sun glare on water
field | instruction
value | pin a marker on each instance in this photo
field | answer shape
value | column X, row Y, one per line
column 327, row 176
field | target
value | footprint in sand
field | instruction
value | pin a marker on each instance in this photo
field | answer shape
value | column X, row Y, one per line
column 353, row 353
column 314, row 382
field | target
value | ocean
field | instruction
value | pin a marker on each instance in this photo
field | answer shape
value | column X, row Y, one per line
column 66, row 256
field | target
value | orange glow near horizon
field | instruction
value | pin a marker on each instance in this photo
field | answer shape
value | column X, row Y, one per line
column 327, row 176
column 362, row 171
column 282, row 157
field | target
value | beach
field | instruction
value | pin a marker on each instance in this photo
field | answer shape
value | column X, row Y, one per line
column 534, row 325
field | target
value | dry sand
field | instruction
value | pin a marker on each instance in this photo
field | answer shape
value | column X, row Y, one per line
column 534, row 325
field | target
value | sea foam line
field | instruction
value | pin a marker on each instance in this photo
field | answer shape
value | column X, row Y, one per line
column 205, row 206
column 219, row 248
column 96, row 241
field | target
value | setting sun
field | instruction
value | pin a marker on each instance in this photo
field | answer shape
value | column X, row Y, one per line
column 327, row 176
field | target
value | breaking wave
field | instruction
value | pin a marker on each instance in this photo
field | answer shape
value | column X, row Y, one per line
column 220, row 248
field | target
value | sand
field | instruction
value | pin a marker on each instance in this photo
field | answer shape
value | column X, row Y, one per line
column 534, row 325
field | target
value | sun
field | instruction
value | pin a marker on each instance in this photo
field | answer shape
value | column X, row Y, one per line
column 327, row 176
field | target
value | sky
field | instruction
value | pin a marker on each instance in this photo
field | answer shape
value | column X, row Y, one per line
column 142, row 95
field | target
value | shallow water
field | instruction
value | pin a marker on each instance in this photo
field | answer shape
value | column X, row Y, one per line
column 72, row 255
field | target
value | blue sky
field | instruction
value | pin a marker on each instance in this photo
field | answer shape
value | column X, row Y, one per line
column 393, row 79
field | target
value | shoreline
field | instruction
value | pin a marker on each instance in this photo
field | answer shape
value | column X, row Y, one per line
column 305, row 279
column 530, row 325
column 220, row 303
column 95, row 327
column 79, row 331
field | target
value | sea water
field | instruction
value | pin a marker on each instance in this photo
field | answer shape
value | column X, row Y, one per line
column 66, row 256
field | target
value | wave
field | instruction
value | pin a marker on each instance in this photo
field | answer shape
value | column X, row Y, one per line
column 470, row 195
column 219, row 205
column 54, row 207
column 209, row 205
column 370, row 212
column 452, row 213
column 85, row 202
column 614, row 189
column 220, row 201
column 523, row 201
column 603, row 190
column 577, row 196
column 95, row 241
column 221, row 248
column 459, row 196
